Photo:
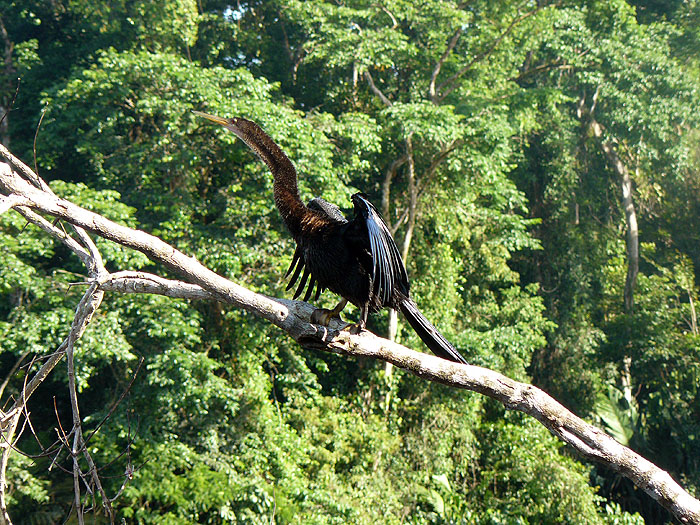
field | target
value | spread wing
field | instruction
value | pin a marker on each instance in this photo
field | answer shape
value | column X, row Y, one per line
column 298, row 265
column 388, row 271
column 330, row 211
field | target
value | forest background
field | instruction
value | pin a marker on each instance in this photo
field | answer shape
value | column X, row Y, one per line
column 513, row 147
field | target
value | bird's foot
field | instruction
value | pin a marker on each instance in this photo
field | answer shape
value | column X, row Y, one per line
column 355, row 328
column 323, row 316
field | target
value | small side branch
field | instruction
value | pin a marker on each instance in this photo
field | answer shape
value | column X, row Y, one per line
column 57, row 233
column 141, row 282
column 376, row 90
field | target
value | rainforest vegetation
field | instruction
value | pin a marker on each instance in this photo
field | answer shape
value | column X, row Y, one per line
column 538, row 163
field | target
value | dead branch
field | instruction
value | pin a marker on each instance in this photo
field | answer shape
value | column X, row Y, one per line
column 142, row 282
column 7, row 203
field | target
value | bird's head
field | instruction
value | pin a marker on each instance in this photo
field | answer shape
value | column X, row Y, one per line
column 237, row 125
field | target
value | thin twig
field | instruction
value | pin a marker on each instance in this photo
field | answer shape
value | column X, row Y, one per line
column 58, row 233
column 116, row 403
column 36, row 135
column 12, row 372
column 12, row 103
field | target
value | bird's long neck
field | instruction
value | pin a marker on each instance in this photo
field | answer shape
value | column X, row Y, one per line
column 285, row 187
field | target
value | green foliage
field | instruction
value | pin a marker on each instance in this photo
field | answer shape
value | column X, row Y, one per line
column 619, row 415
column 526, row 473
column 517, row 253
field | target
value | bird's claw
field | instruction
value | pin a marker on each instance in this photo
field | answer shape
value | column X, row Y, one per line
column 355, row 328
column 323, row 316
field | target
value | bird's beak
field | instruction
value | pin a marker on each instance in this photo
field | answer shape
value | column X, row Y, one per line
column 217, row 120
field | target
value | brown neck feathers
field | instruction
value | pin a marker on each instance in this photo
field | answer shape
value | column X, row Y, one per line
column 285, row 187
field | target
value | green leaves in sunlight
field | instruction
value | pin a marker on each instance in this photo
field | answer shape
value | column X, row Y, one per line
column 464, row 124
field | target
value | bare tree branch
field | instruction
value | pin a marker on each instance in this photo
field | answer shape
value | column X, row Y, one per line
column 588, row 440
column 91, row 301
column 8, row 426
column 12, row 201
column 432, row 93
column 293, row 317
column 376, row 90
column 12, row 372
column 142, row 282
column 25, row 170
column 58, row 233
column 151, row 246
column 92, row 259
column 86, row 308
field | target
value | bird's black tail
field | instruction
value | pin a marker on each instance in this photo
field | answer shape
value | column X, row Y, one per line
column 433, row 339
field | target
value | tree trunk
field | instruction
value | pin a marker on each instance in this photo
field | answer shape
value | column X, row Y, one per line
column 631, row 237
column 8, row 73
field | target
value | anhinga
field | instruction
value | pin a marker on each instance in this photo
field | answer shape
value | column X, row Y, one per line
column 356, row 259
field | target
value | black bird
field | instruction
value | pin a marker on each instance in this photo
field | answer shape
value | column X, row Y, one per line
column 356, row 259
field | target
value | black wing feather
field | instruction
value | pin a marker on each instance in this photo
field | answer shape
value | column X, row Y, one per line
column 388, row 271
column 296, row 273
column 296, row 259
column 310, row 289
column 332, row 212
column 302, row 283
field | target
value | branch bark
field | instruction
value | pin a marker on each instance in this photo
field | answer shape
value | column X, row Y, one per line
column 293, row 318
